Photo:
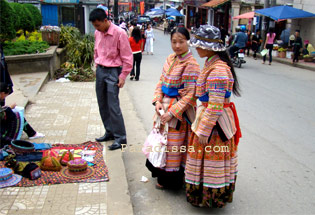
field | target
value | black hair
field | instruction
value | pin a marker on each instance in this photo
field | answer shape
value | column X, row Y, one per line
column 181, row 30
column 136, row 34
column 4, row 88
column 271, row 30
column 97, row 14
column 225, row 57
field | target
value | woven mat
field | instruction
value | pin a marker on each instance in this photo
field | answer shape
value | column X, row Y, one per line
column 51, row 177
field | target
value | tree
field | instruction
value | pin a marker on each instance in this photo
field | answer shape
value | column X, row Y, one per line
column 7, row 31
column 19, row 15
column 37, row 17
column 27, row 23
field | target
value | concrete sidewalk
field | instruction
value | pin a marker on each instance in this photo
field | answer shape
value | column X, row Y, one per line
column 66, row 113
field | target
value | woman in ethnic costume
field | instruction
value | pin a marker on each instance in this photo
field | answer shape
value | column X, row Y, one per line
column 12, row 124
column 211, row 164
column 180, row 71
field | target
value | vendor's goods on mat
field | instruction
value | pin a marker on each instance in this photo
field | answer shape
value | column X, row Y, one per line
column 7, row 178
column 77, row 165
column 32, row 171
column 22, row 146
column 66, row 157
column 50, row 164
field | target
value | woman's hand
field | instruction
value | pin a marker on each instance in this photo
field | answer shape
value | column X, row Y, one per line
column 182, row 92
column 165, row 118
column 12, row 106
column 158, row 107
column 203, row 139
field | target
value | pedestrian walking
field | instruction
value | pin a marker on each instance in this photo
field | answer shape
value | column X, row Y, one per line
column 143, row 37
column 249, row 42
column 136, row 46
column 165, row 26
column 149, row 35
column 256, row 42
column 113, row 58
column 180, row 71
column 297, row 46
column 211, row 165
column 269, row 44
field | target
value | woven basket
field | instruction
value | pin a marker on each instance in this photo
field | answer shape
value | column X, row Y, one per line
column 52, row 38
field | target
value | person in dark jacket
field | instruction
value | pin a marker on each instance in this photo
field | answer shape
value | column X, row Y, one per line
column 297, row 45
column 5, row 76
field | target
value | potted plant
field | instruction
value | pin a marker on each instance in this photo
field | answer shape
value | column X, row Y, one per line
column 50, row 34
column 307, row 58
column 282, row 52
column 274, row 52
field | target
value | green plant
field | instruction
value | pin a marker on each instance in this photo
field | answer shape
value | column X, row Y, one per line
column 75, row 74
column 282, row 50
column 24, row 47
column 7, row 30
column 19, row 15
column 80, row 48
column 28, row 23
column 36, row 15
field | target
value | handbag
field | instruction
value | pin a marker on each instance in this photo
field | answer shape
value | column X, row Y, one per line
column 155, row 146
column 264, row 52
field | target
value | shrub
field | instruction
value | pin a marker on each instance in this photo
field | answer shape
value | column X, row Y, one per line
column 7, row 30
column 28, row 23
column 35, row 13
column 19, row 15
column 80, row 48
column 24, row 47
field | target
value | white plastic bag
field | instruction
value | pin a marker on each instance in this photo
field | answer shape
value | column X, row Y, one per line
column 155, row 145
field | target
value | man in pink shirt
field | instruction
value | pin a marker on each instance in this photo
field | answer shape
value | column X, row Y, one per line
column 114, row 60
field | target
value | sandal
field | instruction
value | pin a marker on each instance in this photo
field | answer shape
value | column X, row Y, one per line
column 159, row 187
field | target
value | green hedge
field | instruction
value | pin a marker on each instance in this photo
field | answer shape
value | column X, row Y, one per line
column 24, row 47
column 7, row 30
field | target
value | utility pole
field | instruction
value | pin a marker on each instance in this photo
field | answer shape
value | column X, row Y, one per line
column 116, row 11
column 265, row 23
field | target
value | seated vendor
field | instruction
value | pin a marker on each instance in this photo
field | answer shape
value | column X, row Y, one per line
column 13, row 123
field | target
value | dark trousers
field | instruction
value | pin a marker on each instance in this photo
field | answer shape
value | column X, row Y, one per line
column 296, row 55
column 28, row 129
column 107, row 93
column 269, row 47
column 136, row 63
column 232, row 51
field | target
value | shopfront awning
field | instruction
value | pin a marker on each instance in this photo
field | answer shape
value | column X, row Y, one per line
column 284, row 12
column 249, row 15
column 214, row 3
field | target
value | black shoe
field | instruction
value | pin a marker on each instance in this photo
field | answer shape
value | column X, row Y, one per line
column 106, row 137
column 114, row 146
column 137, row 79
column 131, row 77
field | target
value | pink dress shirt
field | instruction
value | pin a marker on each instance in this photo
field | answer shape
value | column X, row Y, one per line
column 112, row 49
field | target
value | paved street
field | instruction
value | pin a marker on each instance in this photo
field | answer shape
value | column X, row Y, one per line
column 276, row 153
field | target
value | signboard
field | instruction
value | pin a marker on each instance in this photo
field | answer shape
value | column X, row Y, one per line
column 61, row 1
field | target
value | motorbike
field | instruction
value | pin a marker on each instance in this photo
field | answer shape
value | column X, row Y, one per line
column 238, row 60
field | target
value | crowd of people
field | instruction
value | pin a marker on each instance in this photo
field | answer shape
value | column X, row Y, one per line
column 209, row 173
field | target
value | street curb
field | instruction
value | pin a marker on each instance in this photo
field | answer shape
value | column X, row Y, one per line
column 279, row 60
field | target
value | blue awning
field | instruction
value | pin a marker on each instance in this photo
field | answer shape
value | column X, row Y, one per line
column 284, row 12
column 173, row 12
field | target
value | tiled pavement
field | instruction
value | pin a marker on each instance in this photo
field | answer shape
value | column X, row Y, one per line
column 66, row 113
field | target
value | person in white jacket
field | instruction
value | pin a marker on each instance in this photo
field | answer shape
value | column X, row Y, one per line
column 149, row 35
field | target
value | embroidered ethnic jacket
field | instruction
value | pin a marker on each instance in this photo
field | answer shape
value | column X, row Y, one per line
column 178, row 72
column 215, row 82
